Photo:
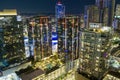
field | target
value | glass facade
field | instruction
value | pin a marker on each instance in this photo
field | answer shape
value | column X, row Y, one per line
column 14, row 51
column 60, row 10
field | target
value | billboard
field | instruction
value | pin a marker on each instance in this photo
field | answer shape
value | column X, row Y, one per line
column 19, row 18
column 54, row 42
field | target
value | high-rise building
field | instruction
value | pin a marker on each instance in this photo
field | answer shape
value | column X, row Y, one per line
column 68, row 29
column 81, row 22
column 59, row 10
column 111, row 10
column 26, row 41
column 1, row 43
column 71, row 41
column 100, row 3
column 117, row 12
column 105, row 17
column 14, row 51
column 12, row 40
column 94, row 49
column 60, row 27
column 91, row 15
column 67, row 34
column 31, row 38
column 42, row 35
column 116, row 22
column 110, row 4
column 61, row 37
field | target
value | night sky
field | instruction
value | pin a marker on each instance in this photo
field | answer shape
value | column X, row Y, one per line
column 45, row 6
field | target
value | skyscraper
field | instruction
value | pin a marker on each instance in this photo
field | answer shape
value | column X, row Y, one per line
column 71, row 41
column 61, row 37
column 94, row 49
column 91, row 15
column 59, row 10
column 110, row 4
column 67, row 31
column 105, row 17
column 116, row 23
column 42, row 35
column 111, row 10
column 1, row 43
column 13, row 41
column 117, row 12
column 100, row 3
column 60, row 25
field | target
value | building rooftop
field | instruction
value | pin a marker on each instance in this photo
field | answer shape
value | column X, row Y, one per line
column 8, row 12
column 31, row 75
column 112, row 75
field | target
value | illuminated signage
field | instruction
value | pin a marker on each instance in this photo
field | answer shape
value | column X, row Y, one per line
column 95, row 25
column 19, row 18
column 54, row 42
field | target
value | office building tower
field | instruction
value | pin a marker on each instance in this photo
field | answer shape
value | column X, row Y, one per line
column 68, row 44
column 42, row 35
column 116, row 22
column 34, row 38
column 91, row 15
column 117, row 12
column 59, row 10
column 67, row 30
column 51, row 26
column 61, row 37
column 71, row 41
column 72, row 28
column 110, row 4
column 31, row 38
column 86, row 16
column 54, row 36
column 1, row 44
column 94, row 49
column 81, row 21
column 60, row 27
column 112, row 10
column 13, row 41
column 101, row 3
column 26, row 41
column 105, row 17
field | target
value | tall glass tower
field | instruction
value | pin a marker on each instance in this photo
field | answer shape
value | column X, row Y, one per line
column 60, row 10
column 59, row 32
column 110, row 4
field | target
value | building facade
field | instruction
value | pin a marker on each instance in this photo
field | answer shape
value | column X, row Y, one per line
column 42, row 37
column 14, row 51
column 93, row 51
column 110, row 5
column 59, row 10
column 91, row 15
